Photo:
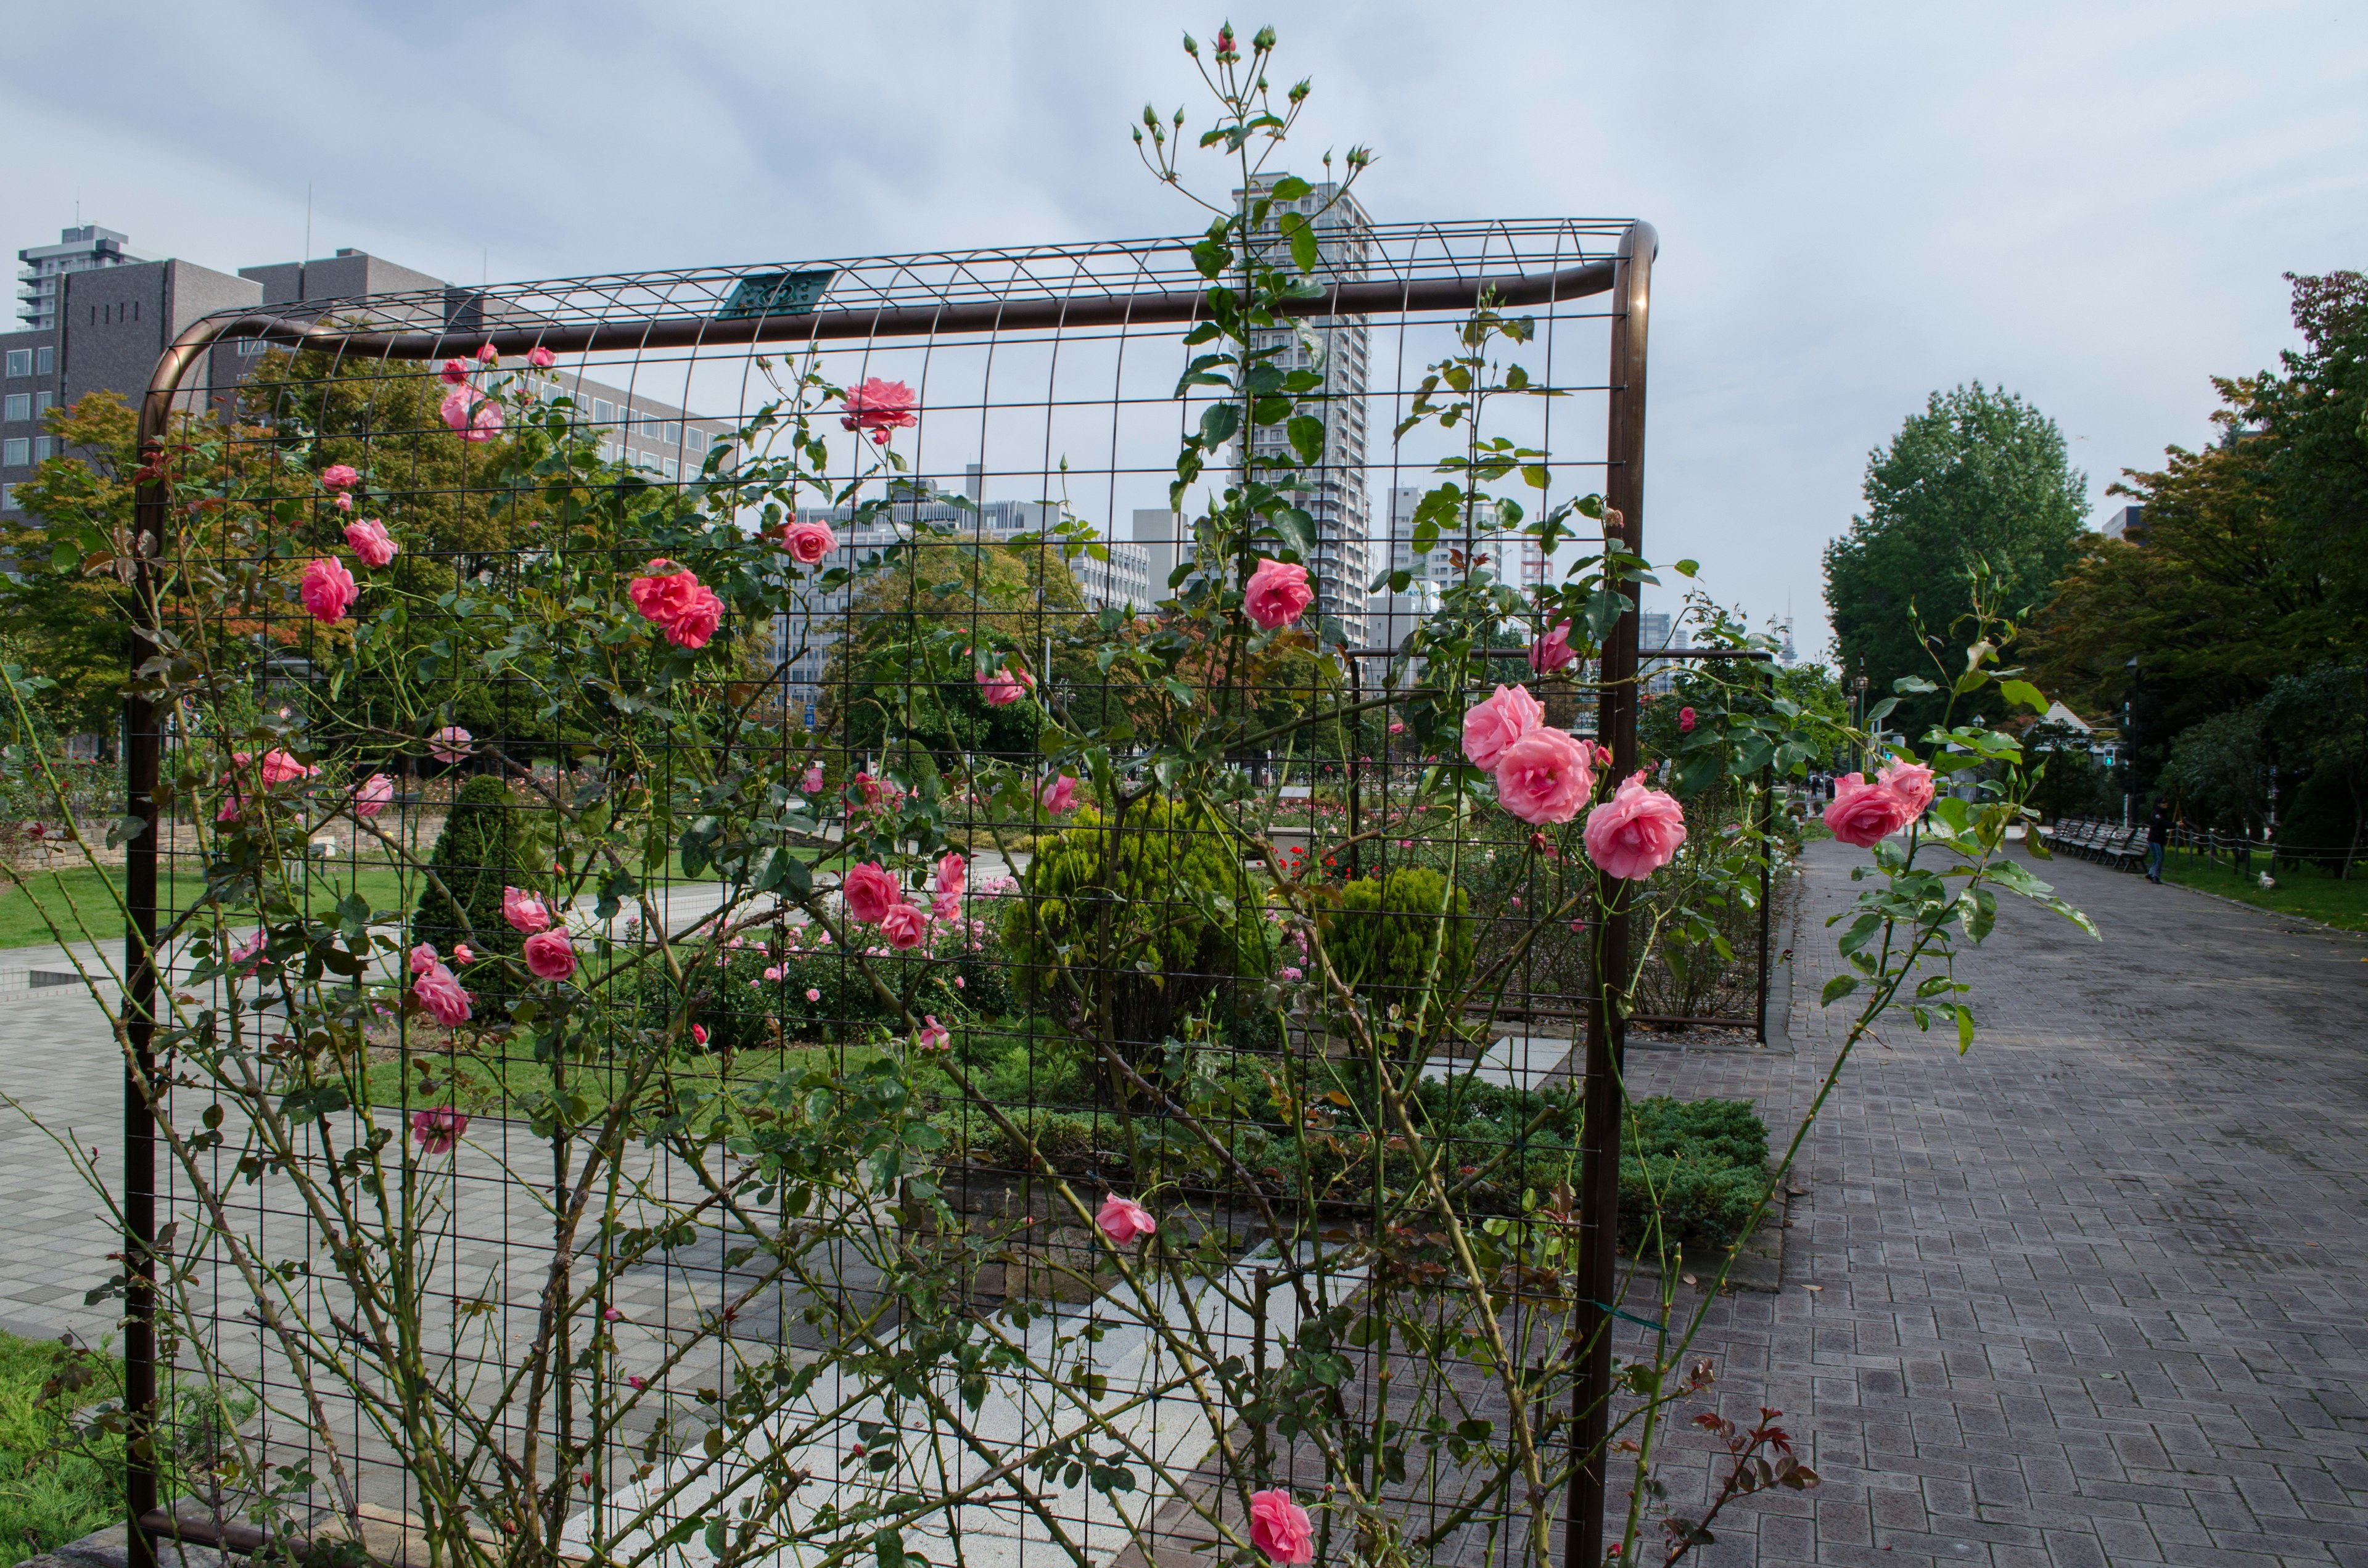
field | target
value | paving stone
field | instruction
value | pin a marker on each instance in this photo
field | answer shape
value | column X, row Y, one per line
column 2103, row 1280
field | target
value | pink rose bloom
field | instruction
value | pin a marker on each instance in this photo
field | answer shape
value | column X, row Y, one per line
column 455, row 372
column 697, row 625
column 327, row 589
column 439, row 1128
column 672, row 600
column 450, row 743
column 245, row 951
column 1397, row 727
column 934, row 1036
column 871, row 893
column 1058, row 794
column 278, row 767
column 1543, row 777
column 345, row 503
column 879, row 407
column 1911, row 781
column 525, row 911
column 1280, row 1528
column 369, row 539
column 1685, row 721
column 1001, row 690
column 423, row 957
column 339, row 476
column 1863, row 813
column 808, row 541
column 904, row 927
column 1553, row 651
column 550, row 955
column 441, row 996
column 1492, row 725
column 462, row 951
column 541, row 359
column 947, row 906
column 1276, row 593
column 485, row 352
column 813, row 994
column 470, row 415
column 1122, row 1219
column 374, row 795
column 1636, row 832
column 953, row 874
column 812, row 782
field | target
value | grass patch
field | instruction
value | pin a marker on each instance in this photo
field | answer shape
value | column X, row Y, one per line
column 53, row 1490
column 2305, row 890
column 493, row 1082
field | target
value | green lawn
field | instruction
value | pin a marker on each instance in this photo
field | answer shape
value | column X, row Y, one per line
column 50, row 1496
column 2304, row 891
column 85, row 890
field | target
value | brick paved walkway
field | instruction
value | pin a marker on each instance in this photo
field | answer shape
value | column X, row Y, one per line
column 2091, row 1294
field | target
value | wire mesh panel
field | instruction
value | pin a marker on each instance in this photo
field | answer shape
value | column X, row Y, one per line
column 883, row 908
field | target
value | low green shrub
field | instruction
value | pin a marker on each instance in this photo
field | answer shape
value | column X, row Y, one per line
column 1381, row 934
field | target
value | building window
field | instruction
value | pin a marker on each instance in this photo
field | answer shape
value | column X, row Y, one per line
column 16, row 406
column 697, row 441
column 43, row 402
column 603, row 411
column 249, row 347
column 20, row 361
column 16, row 452
column 7, row 497
column 41, row 447
column 45, row 361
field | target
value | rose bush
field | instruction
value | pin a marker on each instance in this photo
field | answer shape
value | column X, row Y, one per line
column 1248, row 1017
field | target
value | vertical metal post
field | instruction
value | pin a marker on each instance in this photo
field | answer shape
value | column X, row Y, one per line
column 1599, row 1185
column 143, row 758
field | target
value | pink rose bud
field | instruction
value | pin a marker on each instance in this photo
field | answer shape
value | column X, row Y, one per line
column 339, row 476
column 1125, row 1221
column 541, row 359
column 699, row 1034
column 1685, row 721
column 462, row 951
column 485, row 352
column 812, row 994
column 1277, row 594
column 455, row 372
column 1552, row 652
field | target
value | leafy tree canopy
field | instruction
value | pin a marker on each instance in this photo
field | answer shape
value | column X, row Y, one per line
column 1975, row 486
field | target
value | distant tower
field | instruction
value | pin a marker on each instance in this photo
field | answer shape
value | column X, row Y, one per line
column 41, row 284
column 1337, row 502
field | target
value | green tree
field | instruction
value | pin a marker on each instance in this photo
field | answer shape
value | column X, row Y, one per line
column 2218, row 774
column 2316, row 723
column 475, row 857
column 1975, row 487
column 2248, row 563
column 64, row 605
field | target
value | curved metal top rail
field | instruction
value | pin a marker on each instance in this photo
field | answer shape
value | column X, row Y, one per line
column 1367, row 270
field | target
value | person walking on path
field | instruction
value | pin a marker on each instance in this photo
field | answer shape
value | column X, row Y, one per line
column 2158, row 840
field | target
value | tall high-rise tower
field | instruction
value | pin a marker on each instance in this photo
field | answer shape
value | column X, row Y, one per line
column 40, row 285
column 1338, row 347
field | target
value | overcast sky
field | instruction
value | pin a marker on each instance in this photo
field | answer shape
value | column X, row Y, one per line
column 2088, row 203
